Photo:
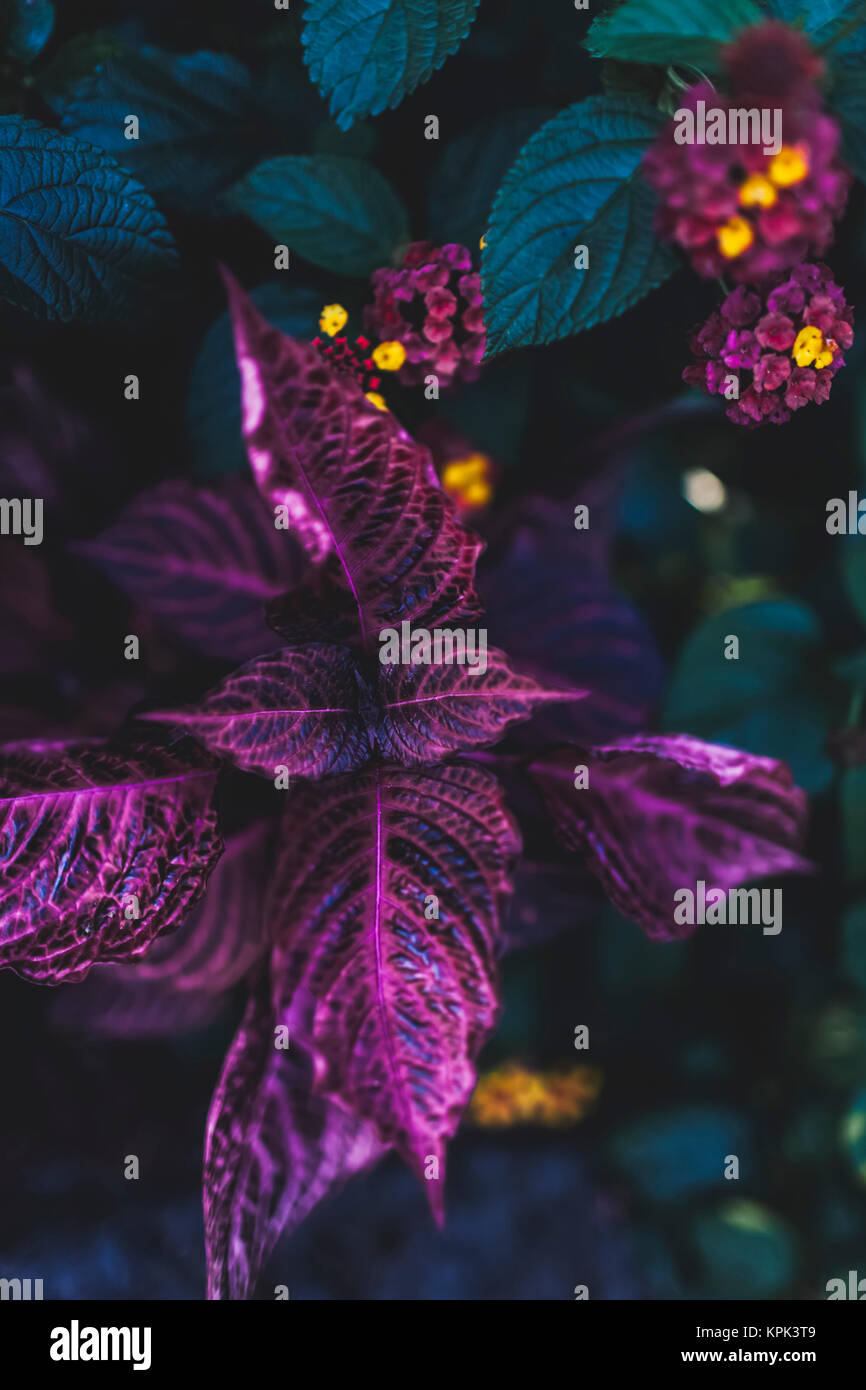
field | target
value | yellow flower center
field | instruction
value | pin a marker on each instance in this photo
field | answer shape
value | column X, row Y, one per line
column 789, row 166
column 734, row 237
column 389, row 357
column 756, row 191
column 812, row 349
column 375, row 399
column 332, row 318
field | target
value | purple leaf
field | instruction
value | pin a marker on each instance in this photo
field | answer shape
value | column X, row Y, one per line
column 89, row 836
column 297, row 708
column 29, row 624
column 661, row 813
column 179, row 984
column 204, row 562
column 272, row 1151
column 552, row 604
column 430, row 712
column 360, row 492
column 402, row 999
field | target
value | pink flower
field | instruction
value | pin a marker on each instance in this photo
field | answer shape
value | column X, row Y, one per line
column 432, row 304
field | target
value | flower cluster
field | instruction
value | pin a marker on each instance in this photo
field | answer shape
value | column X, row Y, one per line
column 431, row 305
column 786, row 340
column 730, row 204
column 755, row 211
column 357, row 359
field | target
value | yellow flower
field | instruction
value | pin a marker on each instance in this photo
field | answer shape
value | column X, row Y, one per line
column 469, row 480
column 389, row 357
column 734, row 237
column 483, row 242
column 757, row 191
column 375, row 399
column 332, row 318
column 789, row 166
column 810, row 349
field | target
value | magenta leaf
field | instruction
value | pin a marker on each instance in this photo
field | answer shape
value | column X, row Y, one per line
column 181, row 981
column 296, row 708
column 550, row 600
column 203, row 562
column 360, row 492
column 90, row 836
column 272, row 1151
column 661, row 813
column 430, row 712
column 386, row 911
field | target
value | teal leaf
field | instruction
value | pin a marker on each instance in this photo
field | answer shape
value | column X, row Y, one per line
column 30, row 29
column 79, row 238
column 771, row 700
column 367, row 55
column 746, row 1252
column 576, row 183
column 822, row 20
column 854, row 935
column 213, row 406
column 339, row 213
column 199, row 124
column 672, row 1155
column 669, row 31
column 848, row 104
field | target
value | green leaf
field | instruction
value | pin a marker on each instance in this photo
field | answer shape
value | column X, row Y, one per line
column 366, row 55
column 79, row 238
column 746, row 1252
column 339, row 213
column 672, row 1155
column 771, row 701
column 200, row 125
column 576, row 183
column 669, row 31
column 823, row 20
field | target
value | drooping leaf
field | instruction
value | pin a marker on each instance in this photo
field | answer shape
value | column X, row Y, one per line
column 358, row 488
column 273, row 1150
column 79, row 238
column 665, row 31
column 552, row 603
column 431, row 712
column 336, row 212
column 181, row 981
column 200, row 125
column 661, row 813
column 366, row 55
column 296, row 708
column 771, row 699
column 386, row 911
column 203, row 562
column 575, row 183
column 90, row 836
column 213, row 410
column 472, row 167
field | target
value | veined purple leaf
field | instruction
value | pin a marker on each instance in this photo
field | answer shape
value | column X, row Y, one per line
column 297, row 708
column 552, row 604
column 272, row 1151
column 358, row 489
column 430, row 712
column 661, row 813
column 204, row 562
column 386, row 910
column 100, row 850
column 180, row 983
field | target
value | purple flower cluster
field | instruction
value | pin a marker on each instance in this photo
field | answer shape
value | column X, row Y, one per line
column 733, row 207
column 787, row 338
column 432, row 305
column 754, row 204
